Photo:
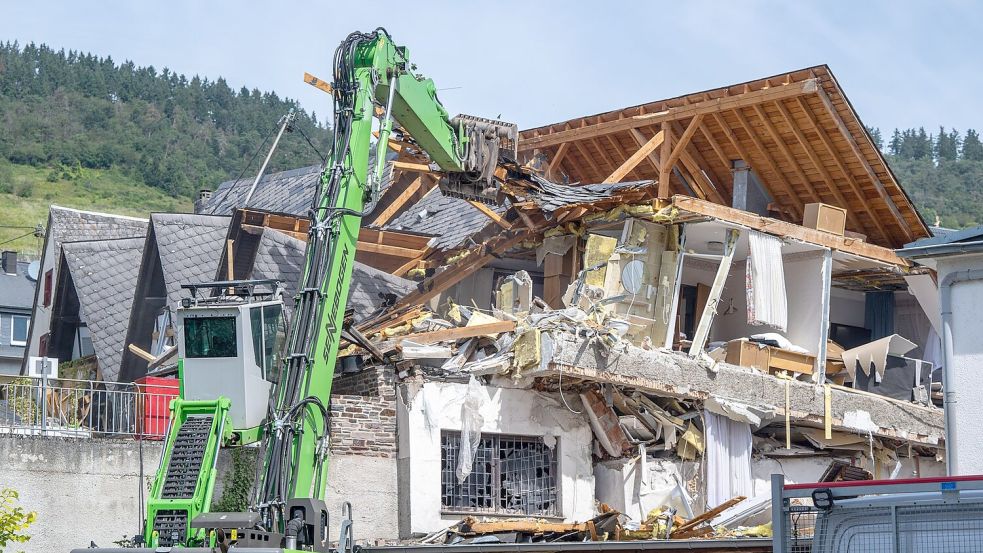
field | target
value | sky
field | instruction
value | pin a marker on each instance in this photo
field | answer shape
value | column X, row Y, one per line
column 902, row 64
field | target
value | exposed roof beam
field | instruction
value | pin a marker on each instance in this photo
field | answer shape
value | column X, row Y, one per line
column 636, row 158
column 830, row 182
column 777, row 137
column 809, row 86
column 650, row 158
column 590, row 161
column 555, row 162
column 490, row 213
column 398, row 202
column 841, row 165
column 772, row 166
column 698, row 166
column 680, row 146
column 878, row 185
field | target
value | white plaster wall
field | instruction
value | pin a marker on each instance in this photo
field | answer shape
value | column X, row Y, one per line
column 369, row 484
column 437, row 406
column 967, row 367
column 846, row 307
column 627, row 487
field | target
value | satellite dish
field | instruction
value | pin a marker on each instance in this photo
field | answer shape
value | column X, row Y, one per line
column 631, row 276
column 33, row 269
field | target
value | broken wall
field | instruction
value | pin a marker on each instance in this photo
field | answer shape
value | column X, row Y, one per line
column 425, row 410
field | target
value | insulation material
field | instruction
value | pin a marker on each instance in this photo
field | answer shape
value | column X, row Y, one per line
column 875, row 353
column 728, row 457
column 767, row 303
column 690, row 444
column 554, row 245
column 527, row 349
column 598, row 252
column 471, row 423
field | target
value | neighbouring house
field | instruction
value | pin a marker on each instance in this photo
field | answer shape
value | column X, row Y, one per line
column 16, row 290
column 953, row 297
column 69, row 225
column 92, row 302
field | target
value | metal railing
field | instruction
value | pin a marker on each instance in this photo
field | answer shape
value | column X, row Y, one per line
column 84, row 408
column 927, row 515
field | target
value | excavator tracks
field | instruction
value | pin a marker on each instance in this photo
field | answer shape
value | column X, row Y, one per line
column 187, row 455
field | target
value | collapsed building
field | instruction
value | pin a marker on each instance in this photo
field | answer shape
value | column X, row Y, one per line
column 670, row 303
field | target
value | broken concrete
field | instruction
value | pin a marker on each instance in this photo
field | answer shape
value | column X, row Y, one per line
column 678, row 375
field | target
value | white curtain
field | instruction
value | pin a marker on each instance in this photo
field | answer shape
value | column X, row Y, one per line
column 766, row 300
column 728, row 457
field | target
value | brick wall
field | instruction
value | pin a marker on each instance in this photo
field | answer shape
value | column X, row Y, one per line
column 369, row 382
column 363, row 426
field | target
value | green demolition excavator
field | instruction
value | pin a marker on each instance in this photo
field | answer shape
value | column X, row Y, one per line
column 238, row 385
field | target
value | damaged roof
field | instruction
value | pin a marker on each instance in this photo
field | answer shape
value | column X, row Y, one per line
column 797, row 131
column 284, row 192
column 451, row 220
column 104, row 273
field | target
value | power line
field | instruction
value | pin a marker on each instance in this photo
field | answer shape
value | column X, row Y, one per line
column 18, row 238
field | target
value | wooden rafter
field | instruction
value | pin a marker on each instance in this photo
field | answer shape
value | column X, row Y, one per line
column 680, row 146
column 664, row 152
column 797, row 202
column 830, row 181
column 390, row 211
column 871, row 174
column 783, row 147
column 561, row 152
column 490, row 213
column 721, row 155
column 602, row 155
column 809, row 86
column 694, row 162
column 597, row 172
column 640, row 139
column 841, row 166
column 643, row 151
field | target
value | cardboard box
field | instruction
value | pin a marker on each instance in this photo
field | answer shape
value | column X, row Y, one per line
column 825, row 217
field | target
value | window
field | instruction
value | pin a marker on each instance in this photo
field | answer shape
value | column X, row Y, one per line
column 210, row 337
column 47, row 287
column 513, row 475
column 267, row 337
column 19, row 325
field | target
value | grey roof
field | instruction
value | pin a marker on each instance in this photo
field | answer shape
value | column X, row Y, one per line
column 452, row 220
column 551, row 196
column 290, row 192
column 17, row 291
column 281, row 256
column 105, row 275
column 190, row 247
column 943, row 236
column 285, row 192
column 72, row 225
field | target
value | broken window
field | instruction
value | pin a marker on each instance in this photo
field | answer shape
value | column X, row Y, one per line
column 513, row 475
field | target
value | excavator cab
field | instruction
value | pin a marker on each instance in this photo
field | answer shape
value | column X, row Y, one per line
column 229, row 335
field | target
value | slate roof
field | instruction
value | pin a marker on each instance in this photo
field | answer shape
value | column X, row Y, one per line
column 290, row 192
column 282, row 256
column 105, row 275
column 451, row 220
column 190, row 247
column 72, row 225
column 17, row 291
column 551, row 196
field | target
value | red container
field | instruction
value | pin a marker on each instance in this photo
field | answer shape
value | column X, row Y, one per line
column 153, row 405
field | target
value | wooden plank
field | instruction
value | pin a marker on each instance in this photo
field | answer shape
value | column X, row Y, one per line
column 708, row 515
column 557, row 159
column 393, row 208
column 318, row 83
column 229, row 264
column 664, row 152
column 527, row 526
column 384, row 249
column 809, row 86
column 788, row 230
column 412, row 167
column 453, row 334
column 878, row 185
column 710, row 309
column 640, row 139
column 490, row 213
column 636, row 158
column 145, row 355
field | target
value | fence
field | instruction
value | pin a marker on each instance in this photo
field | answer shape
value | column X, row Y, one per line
column 84, row 408
column 928, row 515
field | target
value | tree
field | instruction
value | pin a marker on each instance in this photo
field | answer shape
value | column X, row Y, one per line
column 895, row 145
column 972, row 147
column 946, row 145
column 14, row 520
column 875, row 136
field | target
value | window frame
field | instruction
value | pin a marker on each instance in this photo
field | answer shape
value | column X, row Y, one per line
column 235, row 337
column 497, row 484
column 27, row 330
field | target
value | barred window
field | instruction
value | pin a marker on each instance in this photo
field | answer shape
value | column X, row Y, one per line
column 513, row 475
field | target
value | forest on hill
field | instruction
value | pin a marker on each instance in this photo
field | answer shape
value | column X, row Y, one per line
column 72, row 119
column 70, row 111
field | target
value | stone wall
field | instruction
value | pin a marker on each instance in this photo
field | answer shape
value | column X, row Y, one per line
column 369, row 382
column 363, row 426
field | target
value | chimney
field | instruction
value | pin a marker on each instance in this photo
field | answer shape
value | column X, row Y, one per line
column 202, row 199
column 10, row 262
